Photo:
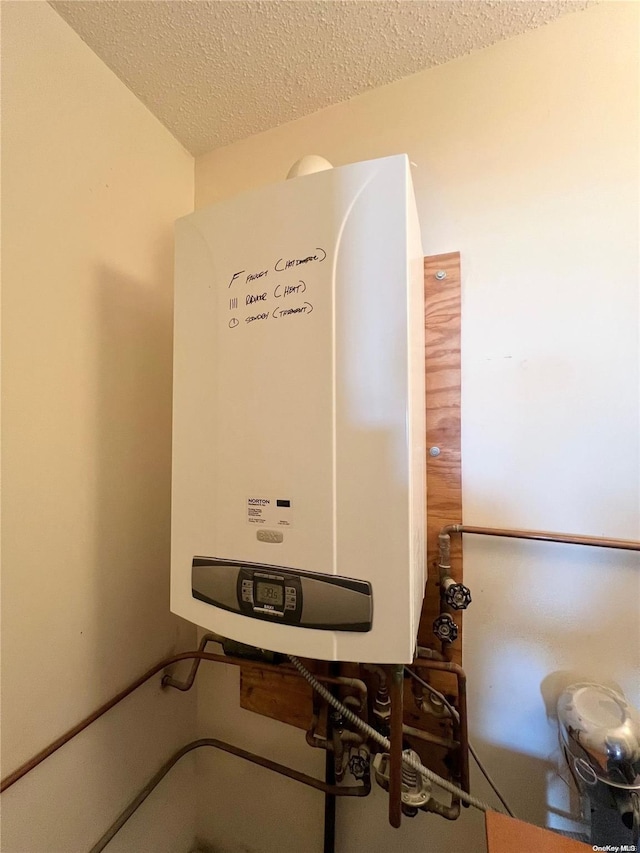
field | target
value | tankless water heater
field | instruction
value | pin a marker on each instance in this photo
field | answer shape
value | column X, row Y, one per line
column 298, row 518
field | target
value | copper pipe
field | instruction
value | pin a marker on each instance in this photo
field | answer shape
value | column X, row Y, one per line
column 355, row 683
column 425, row 699
column 451, row 812
column 333, row 790
column 169, row 681
column 396, row 685
column 287, row 669
column 410, row 731
column 316, row 742
column 444, row 538
column 447, row 706
column 199, row 655
column 29, row 765
column 346, row 737
column 462, row 731
column 428, row 654
column 338, row 753
column 544, row 536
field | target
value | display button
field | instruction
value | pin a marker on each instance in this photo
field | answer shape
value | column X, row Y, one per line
column 247, row 595
column 290, row 598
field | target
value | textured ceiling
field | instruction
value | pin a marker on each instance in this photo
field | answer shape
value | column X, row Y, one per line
column 214, row 71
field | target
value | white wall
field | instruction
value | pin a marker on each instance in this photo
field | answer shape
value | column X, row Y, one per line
column 92, row 185
column 527, row 162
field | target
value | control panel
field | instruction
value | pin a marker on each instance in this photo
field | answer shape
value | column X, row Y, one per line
column 285, row 596
column 275, row 595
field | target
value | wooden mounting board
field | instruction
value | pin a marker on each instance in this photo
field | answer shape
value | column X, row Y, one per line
column 289, row 699
column 444, row 475
column 280, row 696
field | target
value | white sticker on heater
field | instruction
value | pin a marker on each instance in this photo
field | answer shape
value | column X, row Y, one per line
column 258, row 510
column 269, row 512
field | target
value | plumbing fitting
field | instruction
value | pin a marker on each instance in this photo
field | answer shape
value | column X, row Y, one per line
column 458, row 718
column 385, row 743
column 429, row 703
column 377, row 670
column 415, row 789
column 382, row 706
column 336, row 729
column 347, row 736
column 352, row 702
column 382, row 703
column 456, row 595
column 359, row 761
column 445, row 628
column 316, row 741
column 459, row 598
column 444, row 549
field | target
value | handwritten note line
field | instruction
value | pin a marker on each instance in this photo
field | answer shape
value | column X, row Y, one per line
column 281, row 265
column 282, row 291
column 305, row 309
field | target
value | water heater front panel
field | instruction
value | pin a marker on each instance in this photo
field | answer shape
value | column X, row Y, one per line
column 294, row 399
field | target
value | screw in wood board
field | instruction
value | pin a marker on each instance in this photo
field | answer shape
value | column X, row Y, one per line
column 434, row 451
column 440, row 274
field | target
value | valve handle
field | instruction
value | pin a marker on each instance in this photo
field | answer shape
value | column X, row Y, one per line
column 445, row 628
column 358, row 765
column 457, row 596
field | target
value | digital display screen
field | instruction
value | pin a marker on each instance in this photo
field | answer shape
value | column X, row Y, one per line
column 269, row 593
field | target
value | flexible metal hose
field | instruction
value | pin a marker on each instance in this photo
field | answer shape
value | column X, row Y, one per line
column 414, row 763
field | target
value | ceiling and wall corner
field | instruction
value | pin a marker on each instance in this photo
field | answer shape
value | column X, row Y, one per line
column 216, row 71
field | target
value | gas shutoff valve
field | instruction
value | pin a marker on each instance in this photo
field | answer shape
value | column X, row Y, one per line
column 445, row 628
column 456, row 595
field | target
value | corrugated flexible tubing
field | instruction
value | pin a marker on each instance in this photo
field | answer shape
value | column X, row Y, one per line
column 385, row 743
